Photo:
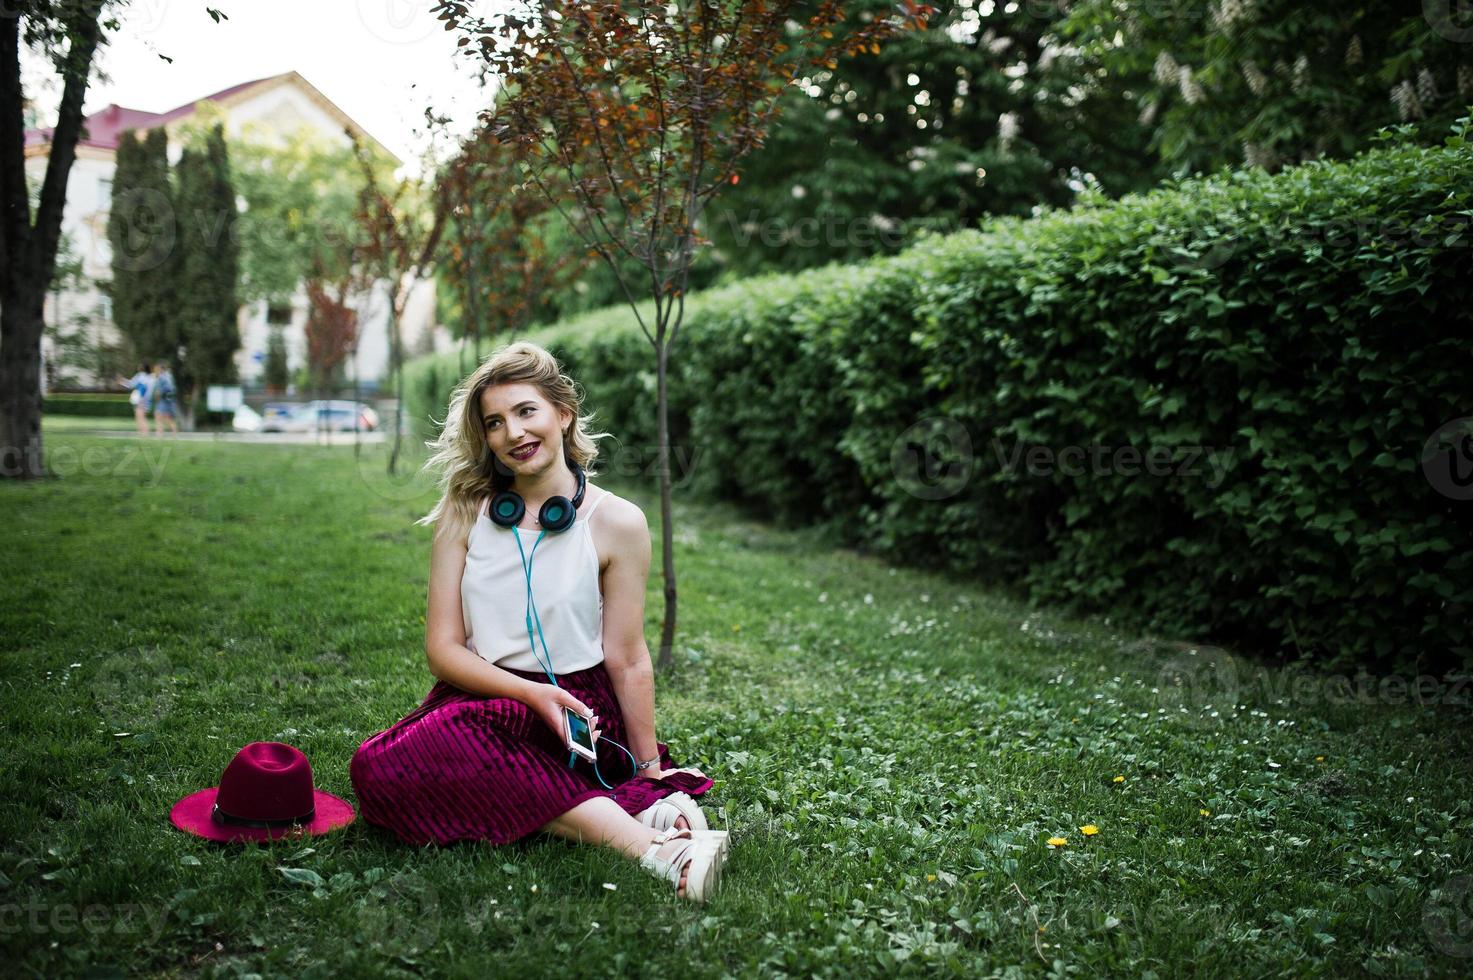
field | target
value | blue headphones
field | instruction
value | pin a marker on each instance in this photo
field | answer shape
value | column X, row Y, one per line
column 557, row 514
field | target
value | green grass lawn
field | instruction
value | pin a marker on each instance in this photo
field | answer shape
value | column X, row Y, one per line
column 892, row 752
column 72, row 423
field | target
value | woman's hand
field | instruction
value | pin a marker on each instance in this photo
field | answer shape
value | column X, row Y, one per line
column 548, row 701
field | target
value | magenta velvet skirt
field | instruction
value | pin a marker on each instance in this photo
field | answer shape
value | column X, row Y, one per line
column 463, row 766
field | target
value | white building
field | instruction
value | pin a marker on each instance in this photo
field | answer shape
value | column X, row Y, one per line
column 270, row 108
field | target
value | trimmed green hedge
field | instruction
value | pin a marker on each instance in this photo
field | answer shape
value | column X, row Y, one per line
column 1298, row 333
column 106, row 406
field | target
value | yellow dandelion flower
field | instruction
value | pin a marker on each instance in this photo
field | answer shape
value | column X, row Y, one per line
column 1119, row 779
column 1205, row 813
column 1319, row 758
column 1057, row 841
column 930, row 877
column 1089, row 830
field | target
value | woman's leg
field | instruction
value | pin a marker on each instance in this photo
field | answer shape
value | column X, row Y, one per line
column 600, row 820
column 140, row 415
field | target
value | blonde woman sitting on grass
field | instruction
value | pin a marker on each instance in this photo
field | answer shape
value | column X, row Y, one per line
column 487, row 756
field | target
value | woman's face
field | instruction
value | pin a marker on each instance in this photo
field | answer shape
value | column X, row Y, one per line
column 517, row 416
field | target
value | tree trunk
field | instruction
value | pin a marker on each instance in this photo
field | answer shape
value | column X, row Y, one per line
column 357, row 436
column 189, row 405
column 666, row 659
column 20, row 385
column 28, row 253
column 469, row 312
column 398, row 374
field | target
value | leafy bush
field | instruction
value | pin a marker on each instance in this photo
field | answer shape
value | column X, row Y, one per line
column 93, row 406
column 1284, row 344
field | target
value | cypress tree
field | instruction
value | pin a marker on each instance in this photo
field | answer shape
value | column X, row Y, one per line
column 143, row 232
column 125, row 176
column 277, row 375
column 208, row 269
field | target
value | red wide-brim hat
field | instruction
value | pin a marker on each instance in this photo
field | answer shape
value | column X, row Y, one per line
column 264, row 783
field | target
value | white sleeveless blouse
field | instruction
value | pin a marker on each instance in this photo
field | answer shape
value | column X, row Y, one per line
column 493, row 595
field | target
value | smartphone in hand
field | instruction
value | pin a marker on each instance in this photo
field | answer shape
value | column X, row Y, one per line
column 578, row 734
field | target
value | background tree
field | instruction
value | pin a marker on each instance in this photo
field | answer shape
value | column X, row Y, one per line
column 275, row 371
column 332, row 331
column 69, row 347
column 506, row 253
column 80, row 354
column 599, row 283
column 69, row 32
column 206, row 296
column 1272, row 82
column 987, row 112
column 144, row 230
column 301, row 198
column 400, row 235
column 646, row 108
column 300, row 231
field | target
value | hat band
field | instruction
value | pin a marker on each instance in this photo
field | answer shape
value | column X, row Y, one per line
column 221, row 817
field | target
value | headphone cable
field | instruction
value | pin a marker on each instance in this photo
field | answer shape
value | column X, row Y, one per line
column 547, row 666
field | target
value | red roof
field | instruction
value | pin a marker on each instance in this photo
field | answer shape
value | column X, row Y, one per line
column 103, row 128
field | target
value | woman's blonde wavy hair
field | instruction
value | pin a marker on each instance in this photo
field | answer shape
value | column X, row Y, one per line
column 460, row 453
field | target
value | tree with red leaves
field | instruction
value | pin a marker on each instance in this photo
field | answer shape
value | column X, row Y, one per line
column 646, row 108
column 331, row 329
column 497, row 258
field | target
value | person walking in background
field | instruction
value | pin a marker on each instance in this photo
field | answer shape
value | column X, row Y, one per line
column 161, row 394
column 141, row 381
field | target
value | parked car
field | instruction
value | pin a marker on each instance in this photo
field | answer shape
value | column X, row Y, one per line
column 246, row 419
column 275, row 416
column 331, row 416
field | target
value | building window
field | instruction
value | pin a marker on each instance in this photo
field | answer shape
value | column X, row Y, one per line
column 105, row 193
column 279, row 315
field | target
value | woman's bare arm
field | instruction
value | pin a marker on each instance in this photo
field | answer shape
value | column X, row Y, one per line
column 449, row 658
column 626, row 656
